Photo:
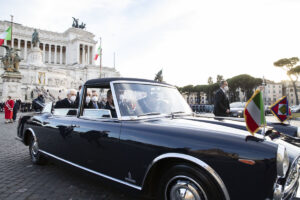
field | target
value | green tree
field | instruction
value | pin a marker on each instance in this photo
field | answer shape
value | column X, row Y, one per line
column 244, row 81
column 188, row 89
column 219, row 78
column 210, row 80
column 288, row 64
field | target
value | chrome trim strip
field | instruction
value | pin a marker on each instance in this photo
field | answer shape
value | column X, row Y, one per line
column 92, row 171
column 112, row 88
column 194, row 160
column 144, row 83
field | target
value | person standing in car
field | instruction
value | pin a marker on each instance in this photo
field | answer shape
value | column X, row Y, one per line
column 221, row 105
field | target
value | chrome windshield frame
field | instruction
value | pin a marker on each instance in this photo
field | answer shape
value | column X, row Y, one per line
column 119, row 116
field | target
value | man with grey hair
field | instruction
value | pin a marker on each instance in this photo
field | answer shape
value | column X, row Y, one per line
column 221, row 104
column 68, row 102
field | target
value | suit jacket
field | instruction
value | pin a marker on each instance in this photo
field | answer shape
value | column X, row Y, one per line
column 65, row 104
column 221, row 103
column 112, row 110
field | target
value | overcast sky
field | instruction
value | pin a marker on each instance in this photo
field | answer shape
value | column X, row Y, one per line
column 189, row 39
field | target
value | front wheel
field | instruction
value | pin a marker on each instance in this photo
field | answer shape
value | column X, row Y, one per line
column 36, row 157
column 183, row 182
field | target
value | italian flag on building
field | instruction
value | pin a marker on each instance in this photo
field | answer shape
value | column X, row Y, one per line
column 254, row 112
column 99, row 52
column 5, row 36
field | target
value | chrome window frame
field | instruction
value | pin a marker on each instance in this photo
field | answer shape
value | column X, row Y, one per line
column 119, row 116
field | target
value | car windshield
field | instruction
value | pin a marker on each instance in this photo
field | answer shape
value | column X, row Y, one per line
column 237, row 105
column 149, row 100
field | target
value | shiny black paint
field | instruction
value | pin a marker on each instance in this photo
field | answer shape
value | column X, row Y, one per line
column 117, row 148
column 125, row 150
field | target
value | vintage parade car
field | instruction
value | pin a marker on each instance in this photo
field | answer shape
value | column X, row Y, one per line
column 157, row 146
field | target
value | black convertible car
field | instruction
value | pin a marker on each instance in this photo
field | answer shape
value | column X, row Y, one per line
column 156, row 145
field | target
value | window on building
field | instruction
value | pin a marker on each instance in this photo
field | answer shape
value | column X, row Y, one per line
column 279, row 91
column 291, row 90
column 291, row 95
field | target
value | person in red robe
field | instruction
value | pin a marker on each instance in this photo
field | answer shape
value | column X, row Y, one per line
column 8, row 110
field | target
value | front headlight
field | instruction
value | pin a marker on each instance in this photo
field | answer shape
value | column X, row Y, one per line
column 282, row 161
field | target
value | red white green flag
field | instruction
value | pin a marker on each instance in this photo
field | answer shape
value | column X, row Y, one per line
column 281, row 109
column 99, row 53
column 254, row 112
column 5, row 36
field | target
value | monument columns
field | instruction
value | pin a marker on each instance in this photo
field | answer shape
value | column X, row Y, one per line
column 25, row 49
column 78, row 53
column 55, row 54
column 93, row 50
column 60, row 54
column 88, row 55
column 44, row 52
column 49, row 55
column 19, row 44
column 83, row 54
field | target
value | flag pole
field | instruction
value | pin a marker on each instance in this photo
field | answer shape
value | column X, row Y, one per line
column 11, row 28
column 263, row 88
column 100, row 58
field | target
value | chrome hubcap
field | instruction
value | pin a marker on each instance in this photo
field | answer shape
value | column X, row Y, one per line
column 34, row 148
column 184, row 188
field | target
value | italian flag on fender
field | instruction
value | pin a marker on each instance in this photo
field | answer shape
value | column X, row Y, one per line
column 5, row 36
column 254, row 112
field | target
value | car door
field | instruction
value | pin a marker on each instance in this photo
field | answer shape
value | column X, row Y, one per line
column 55, row 136
column 94, row 144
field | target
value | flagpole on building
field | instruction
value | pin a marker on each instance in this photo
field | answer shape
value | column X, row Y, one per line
column 100, row 58
column 262, row 92
column 11, row 28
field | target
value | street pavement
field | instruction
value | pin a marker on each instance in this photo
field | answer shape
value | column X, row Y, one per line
column 21, row 180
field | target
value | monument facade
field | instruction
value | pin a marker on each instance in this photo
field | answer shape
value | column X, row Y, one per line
column 54, row 63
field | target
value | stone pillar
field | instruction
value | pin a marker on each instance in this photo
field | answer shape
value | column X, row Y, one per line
column 31, row 45
column 55, row 54
column 66, row 53
column 60, row 55
column 93, row 50
column 44, row 52
column 12, row 42
column 25, row 49
column 83, row 54
column 78, row 53
column 88, row 55
column 49, row 50
column 11, row 85
column 19, row 44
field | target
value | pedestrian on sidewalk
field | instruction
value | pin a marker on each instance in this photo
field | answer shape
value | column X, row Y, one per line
column 8, row 109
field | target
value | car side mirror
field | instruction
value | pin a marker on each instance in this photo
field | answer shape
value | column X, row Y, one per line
column 72, row 112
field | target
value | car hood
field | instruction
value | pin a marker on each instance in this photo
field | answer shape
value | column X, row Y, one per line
column 226, row 132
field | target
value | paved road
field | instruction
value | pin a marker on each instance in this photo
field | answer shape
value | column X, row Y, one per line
column 20, row 180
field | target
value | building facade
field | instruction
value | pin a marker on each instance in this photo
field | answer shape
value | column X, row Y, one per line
column 67, row 61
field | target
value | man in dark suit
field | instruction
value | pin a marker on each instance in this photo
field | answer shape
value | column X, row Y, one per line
column 222, row 107
column 68, row 102
column 94, row 101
